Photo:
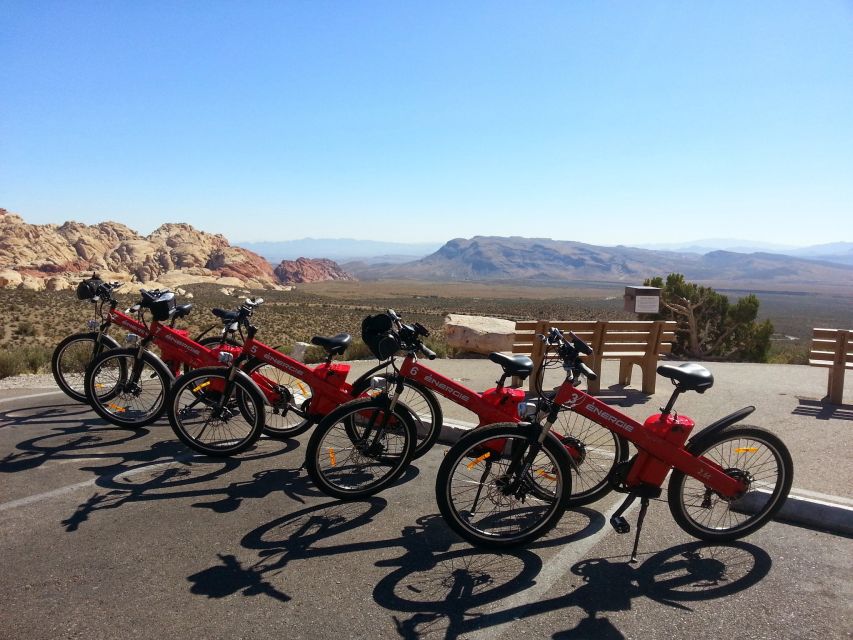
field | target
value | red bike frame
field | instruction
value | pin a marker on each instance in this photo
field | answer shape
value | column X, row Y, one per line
column 126, row 322
column 499, row 404
column 660, row 442
column 329, row 387
column 178, row 348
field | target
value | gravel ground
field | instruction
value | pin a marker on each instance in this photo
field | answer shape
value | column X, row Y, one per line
column 28, row 381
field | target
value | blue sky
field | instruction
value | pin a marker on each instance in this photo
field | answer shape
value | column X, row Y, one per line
column 603, row 122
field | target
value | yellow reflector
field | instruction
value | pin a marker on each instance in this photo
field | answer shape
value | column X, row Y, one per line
column 746, row 449
column 301, row 388
column 117, row 408
column 98, row 385
column 545, row 474
column 201, row 386
column 477, row 461
column 332, row 457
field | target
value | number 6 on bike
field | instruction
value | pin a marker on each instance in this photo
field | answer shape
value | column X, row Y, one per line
column 506, row 484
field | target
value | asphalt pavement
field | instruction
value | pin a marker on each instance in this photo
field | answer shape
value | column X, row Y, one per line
column 112, row 533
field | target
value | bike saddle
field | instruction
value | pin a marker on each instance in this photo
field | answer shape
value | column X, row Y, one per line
column 688, row 376
column 226, row 316
column 181, row 310
column 519, row 366
column 335, row 345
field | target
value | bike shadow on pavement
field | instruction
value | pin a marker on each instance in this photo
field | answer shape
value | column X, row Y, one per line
column 286, row 540
column 44, row 414
column 71, row 440
column 167, row 471
column 823, row 410
column 442, row 599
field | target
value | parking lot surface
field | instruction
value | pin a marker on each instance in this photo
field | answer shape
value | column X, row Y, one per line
column 109, row 533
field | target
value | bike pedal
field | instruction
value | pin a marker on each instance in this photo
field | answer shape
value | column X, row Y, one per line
column 620, row 524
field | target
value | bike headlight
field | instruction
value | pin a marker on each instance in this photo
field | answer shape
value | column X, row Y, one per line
column 526, row 410
column 131, row 338
column 93, row 325
column 379, row 383
column 226, row 358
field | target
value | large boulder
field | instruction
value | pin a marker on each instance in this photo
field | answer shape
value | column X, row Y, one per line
column 478, row 334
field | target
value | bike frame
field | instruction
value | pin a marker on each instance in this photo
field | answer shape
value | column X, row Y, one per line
column 478, row 403
column 658, row 448
column 178, row 348
column 327, row 380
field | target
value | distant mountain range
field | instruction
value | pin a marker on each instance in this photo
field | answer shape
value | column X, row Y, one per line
column 840, row 252
column 486, row 258
column 374, row 252
column 341, row 249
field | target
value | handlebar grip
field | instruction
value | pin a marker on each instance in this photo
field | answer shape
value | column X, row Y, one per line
column 429, row 353
column 589, row 373
column 580, row 345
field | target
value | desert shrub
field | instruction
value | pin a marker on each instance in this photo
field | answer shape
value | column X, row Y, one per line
column 25, row 329
column 789, row 353
column 26, row 359
column 709, row 326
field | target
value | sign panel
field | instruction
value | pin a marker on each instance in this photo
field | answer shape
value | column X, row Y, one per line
column 647, row 304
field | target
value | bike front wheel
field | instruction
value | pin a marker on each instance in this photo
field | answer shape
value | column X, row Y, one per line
column 128, row 388
column 425, row 407
column 495, row 490
column 360, row 448
column 752, row 454
column 213, row 416
column 71, row 358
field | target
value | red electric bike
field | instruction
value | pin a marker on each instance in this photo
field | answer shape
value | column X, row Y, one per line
column 74, row 354
column 298, row 395
column 128, row 386
column 507, row 484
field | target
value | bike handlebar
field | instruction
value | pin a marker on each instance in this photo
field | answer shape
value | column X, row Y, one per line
column 429, row 353
column 570, row 351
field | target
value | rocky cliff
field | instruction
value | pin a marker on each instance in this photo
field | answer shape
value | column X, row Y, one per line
column 310, row 270
column 55, row 256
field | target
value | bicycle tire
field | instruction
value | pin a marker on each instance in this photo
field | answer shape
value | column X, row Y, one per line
column 595, row 451
column 488, row 445
column 278, row 422
column 124, row 405
column 707, row 516
column 380, row 458
column 228, row 436
column 423, row 403
column 73, row 383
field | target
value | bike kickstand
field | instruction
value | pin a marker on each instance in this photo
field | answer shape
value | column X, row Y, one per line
column 644, row 505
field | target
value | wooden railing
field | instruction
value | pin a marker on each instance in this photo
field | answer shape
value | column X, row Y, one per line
column 636, row 342
column 831, row 348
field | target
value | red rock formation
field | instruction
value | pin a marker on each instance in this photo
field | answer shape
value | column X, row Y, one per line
column 174, row 254
column 310, row 270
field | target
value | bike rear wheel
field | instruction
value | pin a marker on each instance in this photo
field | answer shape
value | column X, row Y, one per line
column 751, row 453
column 71, row 358
column 209, row 423
column 595, row 452
column 126, row 388
column 287, row 400
column 485, row 496
column 359, row 449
